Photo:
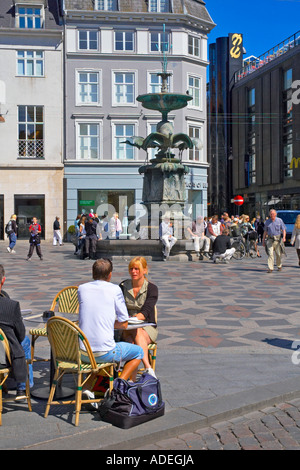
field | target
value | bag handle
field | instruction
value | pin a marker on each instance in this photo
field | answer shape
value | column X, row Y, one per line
column 106, row 404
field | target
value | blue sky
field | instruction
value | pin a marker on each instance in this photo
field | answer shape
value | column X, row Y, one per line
column 264, row 23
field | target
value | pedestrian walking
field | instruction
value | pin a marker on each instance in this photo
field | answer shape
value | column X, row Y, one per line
column 273, row 229
column 11, row 231
column 296, row 237
column 35, row 239
column 56, row 232
column 115, row 226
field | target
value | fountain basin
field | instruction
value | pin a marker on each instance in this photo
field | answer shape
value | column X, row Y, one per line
column 164, row 102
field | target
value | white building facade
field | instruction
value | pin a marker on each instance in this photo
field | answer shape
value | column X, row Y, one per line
column 31, row 114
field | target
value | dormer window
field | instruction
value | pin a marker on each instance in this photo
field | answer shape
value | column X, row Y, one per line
column 106, row 5
column 159, row 6
column 29, row 17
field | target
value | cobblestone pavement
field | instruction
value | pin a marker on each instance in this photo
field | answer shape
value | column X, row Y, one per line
column 273, row 428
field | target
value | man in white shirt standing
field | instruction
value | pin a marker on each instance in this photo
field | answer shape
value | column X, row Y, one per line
column 102, row 309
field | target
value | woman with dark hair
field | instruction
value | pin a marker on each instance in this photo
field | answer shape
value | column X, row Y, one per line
column 140, row 298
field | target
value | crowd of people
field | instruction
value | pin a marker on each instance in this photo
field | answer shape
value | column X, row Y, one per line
column 210, row 235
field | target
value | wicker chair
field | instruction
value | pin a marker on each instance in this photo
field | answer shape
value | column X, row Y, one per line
column 64, row 338
column 4, row 373
column 66, row 301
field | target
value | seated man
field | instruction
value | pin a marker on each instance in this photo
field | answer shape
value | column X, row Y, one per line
column 13, row 327
column 222, row 249
column 166, row 236
column 200, row 240
column 100, row 303
column 214, row 228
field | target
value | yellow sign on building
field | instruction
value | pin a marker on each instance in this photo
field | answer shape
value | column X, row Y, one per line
column 294, row 163
column 236, row 49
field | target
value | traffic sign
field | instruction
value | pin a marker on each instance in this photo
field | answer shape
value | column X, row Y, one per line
column 238, row 200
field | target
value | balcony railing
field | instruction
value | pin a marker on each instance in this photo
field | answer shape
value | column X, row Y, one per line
column 31, row 148
column 258, row 62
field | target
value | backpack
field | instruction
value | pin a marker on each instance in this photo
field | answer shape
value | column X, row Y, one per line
column 8, row 228
column 130, row 404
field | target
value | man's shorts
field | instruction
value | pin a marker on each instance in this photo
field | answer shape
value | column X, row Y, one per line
column 122, row 352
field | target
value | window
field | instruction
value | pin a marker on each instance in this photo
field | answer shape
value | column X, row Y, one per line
column 288, row 79
column 124, row 41
column 160, row 42
column 88, row 141
column 88, row 88
column 194, row 87
column 160, row 6
column 124, row 88
column 250, row 157
column 123, row 132
column 155, row 82
column 30, row 63
column 194, row 46
column 29, row 18
column 151, row 127
column 196, row 155
column 109, row 5
column 88, row 40
column 31, row 131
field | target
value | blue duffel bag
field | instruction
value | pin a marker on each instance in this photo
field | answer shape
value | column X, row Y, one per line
column 133, row 403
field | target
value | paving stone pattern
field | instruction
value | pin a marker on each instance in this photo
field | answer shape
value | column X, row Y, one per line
column 223, row 328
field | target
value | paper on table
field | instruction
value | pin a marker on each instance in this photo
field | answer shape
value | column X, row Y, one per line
column 134, row 320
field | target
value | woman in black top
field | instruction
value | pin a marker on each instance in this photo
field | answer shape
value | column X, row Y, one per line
column 141, row 297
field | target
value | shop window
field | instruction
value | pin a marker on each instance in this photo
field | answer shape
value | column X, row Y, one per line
column 27, row 207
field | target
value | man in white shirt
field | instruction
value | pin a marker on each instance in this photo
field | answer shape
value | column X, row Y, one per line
column 166, row 236
column 102, row 309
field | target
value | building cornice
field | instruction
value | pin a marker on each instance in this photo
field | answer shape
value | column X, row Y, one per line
column 31, row 32
column 118, row 17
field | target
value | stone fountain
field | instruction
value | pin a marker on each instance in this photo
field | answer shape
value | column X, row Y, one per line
column 164, row 178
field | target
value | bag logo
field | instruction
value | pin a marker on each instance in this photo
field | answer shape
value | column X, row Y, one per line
column 152, row 399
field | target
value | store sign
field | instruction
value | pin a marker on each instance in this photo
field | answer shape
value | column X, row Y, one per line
column 236, row 46
column 87, row 203
column 295, row 163
column 196, row 185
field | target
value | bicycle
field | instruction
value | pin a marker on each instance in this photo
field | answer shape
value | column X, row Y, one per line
column 244, row 247
column 240, row 248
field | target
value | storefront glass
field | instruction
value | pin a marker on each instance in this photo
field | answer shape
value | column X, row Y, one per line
column 27, row 207
column 101, row 201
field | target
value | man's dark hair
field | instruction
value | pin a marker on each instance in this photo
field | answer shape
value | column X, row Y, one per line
column 225, row 231
column 102, row 269
column 2, row 272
